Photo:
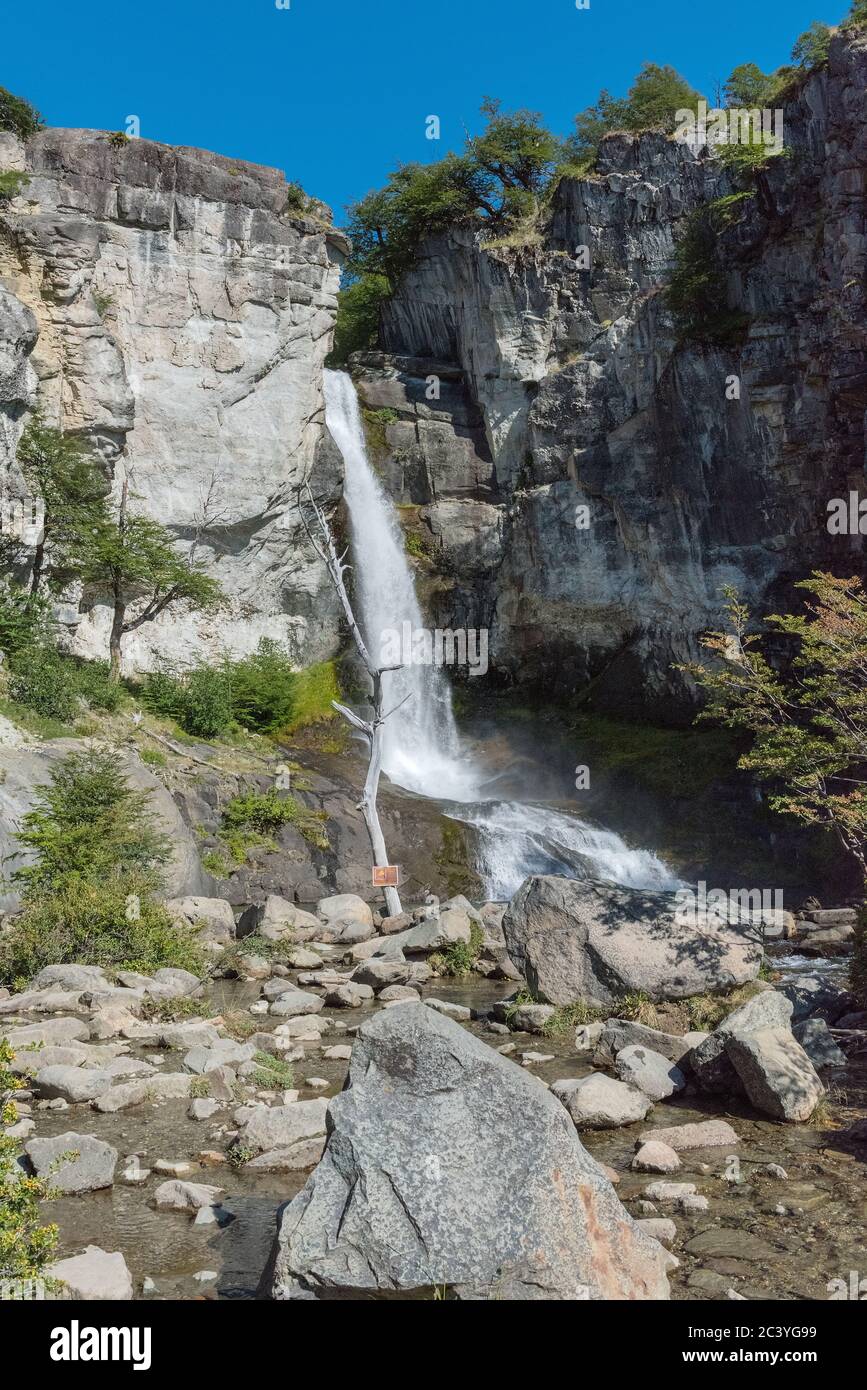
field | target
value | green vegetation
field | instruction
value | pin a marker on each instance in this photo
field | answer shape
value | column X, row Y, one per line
column 26, row 1245
column 73, row 487
column 200, row 1088
column 652, row 101
column 252, row 818
column 376, row 422
column 118, row 139
column 17, row 115
column 261, row 692
column 11, row 183
column 459, row 957
column 357, row 326
column 175, row 1010
column 272, row 1073
column 88, row 897
column 453, row 861
column 806, row 719
column 697, row 293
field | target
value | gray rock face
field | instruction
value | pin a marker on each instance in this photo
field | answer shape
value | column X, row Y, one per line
column 211, row 918
column 91, row 1169
column 446, row 1164
column 577, row 390
column 94, row 1276
column 778, row 1076
column 579, row 940
column 710, row 1062
column 183, row 316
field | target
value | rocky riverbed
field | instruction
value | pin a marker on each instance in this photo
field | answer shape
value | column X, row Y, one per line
column 188, row 1146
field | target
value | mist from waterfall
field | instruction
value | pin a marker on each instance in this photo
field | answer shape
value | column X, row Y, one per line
column 422, row 749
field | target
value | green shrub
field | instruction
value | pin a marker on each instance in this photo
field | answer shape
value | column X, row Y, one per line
column 92, row 680
column 356, row 327
column 272, row 1073
column 25, row 618
column 163, row 693
column 252, row 818
column 26, row 1244
column 697, row 293
column 87, row 825
column 111, row 923
column 17, row 115
column 11, row 183
column 207, row 708
column 40, row 679
column 263, row 687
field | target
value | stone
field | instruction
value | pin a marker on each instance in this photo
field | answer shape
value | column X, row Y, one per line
column 225, row 1052
column 186, row 1196
column 617, row 1033
column 379, row 974
column 292, row 1158
column 342, row 908
column 658, row 1228
column 813, row 997
column 170, row 1086
column 576, row 940
column 264, row 1128
column 710, row 1062
column 278, row 920
column 669, row 1192
column 211, row 918
column 450, row 1009
column 816, row 1039
column 395, row 994
column 532, row 1018
column 778, row 1076
column 197, row 1032
column 600, row 1102
column 535, row 1059
column 173, row 1167
column 292, row 1003
column 51, row 1032
column 300, row 958
column 705, row 1134
column 307, row 1028
column 437, row 1172
column 254, row 967
column 94, row 1276
column 340, row 1053
column 587, row 1036
column 73, row 1084
column 650, row 1072
column 73, row 977
column 92, row 1167
column 348, row 996
column 655, row 1157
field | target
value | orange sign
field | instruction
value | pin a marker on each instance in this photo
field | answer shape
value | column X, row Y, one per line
column 385, row 876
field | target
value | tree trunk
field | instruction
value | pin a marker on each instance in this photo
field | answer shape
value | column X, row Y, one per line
column 115, row 640
column 369, row 795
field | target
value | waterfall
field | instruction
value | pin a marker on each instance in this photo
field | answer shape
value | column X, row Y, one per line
column 422, row 748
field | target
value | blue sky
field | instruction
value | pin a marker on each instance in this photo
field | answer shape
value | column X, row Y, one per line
column 336, row 92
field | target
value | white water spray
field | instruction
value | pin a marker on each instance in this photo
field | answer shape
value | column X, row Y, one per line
column 421, row 748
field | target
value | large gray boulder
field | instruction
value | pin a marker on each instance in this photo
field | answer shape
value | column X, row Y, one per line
column 710, row 1063
column 448, row 1165
column 778, row 1076
column 579, row 940
column 600, row 1102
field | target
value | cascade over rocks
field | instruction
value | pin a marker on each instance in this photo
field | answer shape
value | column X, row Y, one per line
column 448, row 1165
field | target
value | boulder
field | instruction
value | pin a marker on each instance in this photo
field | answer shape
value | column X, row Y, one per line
column 576, row 940
column 225, row 1052
column 167, row 1086
column 343, row 908
column 813, row 997
column 652, row 1073
column 705, row 1134
column 177, row 1195
column 263, row 1127
column 278, row 920
column 617, row 1033
column 709, row 1061
column 532, row 1018
column 292, row 1003
column 379, row 974
column 816, row 1039
column 655, row 1157
column 211, row 918
column 91, row 1169
column 600, row 1102
column 778, row 1076
column 73, row 1084
column 94, row 1276
column 54, row 1031
column 439, row 1172
column 76, row 977
column 348, row 996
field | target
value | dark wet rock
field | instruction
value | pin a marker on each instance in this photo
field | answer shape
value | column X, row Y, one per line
column 816, row 1039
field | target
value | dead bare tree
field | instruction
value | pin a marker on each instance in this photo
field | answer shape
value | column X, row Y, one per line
column 372, row 728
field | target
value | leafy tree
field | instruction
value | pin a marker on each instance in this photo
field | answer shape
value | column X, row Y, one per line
column 651, row 102
column 858, row 12
column 357, row 326
column 25, row 618
column 749, row 87
column 808, row 721
column 697, row 292
column 72, row 487
column 811, row 48
column 17, row 115
column 133, row 556
column 88, row 825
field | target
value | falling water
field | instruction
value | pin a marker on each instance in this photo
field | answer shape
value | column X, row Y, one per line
column 422, row 748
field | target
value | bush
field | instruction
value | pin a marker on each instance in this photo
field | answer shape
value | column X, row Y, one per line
column 199, row 701
column 356, row 327
column 40, row 679
column 25, row 618
column 17, row 115
column 92, row 680
column 88, row 825
column 263, row 687
column 697, row 293
column 253, row 817
column 25, row 1244
column 11, row 183
column 112, row 923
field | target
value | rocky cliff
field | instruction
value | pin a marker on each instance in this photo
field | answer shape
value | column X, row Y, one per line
column 168, row 306
column 563, row 387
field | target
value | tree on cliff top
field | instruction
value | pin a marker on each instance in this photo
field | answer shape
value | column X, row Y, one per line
column 651, row 103
column 17, row 115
